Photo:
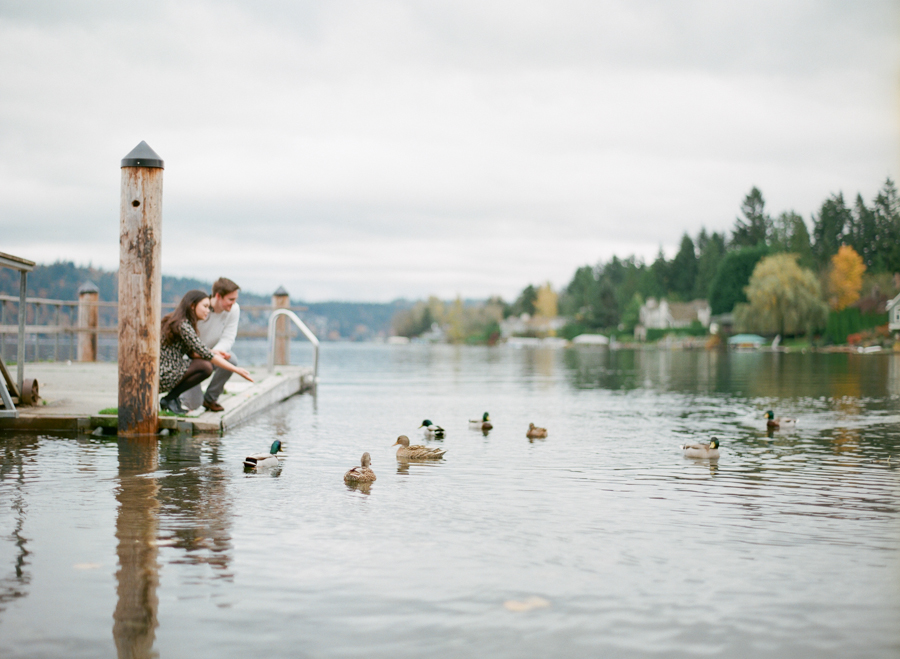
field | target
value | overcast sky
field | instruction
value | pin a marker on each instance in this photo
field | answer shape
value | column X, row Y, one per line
column 374, row 150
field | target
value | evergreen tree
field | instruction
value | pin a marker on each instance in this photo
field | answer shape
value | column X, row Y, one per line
column 789, row 234
column 798, row 241
column 727, row 288
column 659, row 276
column 755, row 228
column 576, row 298
column 631, row 316
column 683, row 270
column 886, row 210
column 830, row 227
column 525, row 302
column 863, row 234
column 712, row 250
column 604, row 306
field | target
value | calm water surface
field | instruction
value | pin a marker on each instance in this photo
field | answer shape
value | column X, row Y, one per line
column 788, row 546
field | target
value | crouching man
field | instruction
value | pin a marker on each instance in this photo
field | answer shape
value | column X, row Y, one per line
column 217, row 333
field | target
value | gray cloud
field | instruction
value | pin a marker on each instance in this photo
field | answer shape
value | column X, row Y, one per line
column 519, row 140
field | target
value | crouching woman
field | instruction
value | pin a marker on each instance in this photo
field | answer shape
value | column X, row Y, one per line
column 183, row 359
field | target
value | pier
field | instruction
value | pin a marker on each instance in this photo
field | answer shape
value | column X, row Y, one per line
column 72, row 396
column 123, row 398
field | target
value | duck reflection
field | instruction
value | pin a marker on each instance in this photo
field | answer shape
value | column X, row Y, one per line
column 365, row 488
column 135, row 617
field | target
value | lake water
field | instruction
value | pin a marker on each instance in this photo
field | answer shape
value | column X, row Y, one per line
column 787, row 546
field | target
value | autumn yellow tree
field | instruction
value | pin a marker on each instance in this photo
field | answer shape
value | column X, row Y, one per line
column 456, row 319
column 845, row 278
column 545, row 304
column 782, row 297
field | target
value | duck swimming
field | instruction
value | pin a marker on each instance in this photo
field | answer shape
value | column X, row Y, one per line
column 710, row 450
column 534, row 432
column 269, row 459
column 773, row 423
column 361, row 474
column 407, row 452
column 484, row 423
column 432, row 431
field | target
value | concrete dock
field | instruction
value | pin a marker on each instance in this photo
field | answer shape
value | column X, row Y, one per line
column 73, row 394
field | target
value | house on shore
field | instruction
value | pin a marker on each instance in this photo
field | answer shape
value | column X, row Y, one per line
column 893, row 310
column 528, row 325
column 663, row 314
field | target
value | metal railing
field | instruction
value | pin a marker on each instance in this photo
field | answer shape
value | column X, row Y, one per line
column 23, row 266
column 59, row 320
column 303, row 328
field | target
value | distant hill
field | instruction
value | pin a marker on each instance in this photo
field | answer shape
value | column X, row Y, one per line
column 329, row 320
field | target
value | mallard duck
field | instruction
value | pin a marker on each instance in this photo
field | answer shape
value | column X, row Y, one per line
column 535, row 433
column 432, row 431
column 710, row 450
column 361, row 474
column 407, row 452
column 772, row 422
column 269, row 459
column 484, row 423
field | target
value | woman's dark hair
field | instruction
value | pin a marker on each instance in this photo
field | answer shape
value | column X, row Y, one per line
column 171, row 322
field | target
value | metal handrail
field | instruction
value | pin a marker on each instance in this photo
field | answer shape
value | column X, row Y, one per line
column 303, row 328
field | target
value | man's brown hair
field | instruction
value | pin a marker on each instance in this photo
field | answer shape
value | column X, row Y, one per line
column 223, row 286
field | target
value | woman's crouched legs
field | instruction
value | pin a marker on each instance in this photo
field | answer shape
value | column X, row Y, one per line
column 197, row 372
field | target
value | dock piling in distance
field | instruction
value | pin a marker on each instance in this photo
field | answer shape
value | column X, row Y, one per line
column 88, row 318
column 281, row 300
column 140, row 291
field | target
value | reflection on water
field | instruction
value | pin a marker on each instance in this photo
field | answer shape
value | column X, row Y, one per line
column 136, row 526
column 788, row 543
column 16, row 451
column 172, row 495
column 195, row 504
column 755, row 374
column 365, row 488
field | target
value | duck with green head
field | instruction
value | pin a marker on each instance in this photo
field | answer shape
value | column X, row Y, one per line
column 432, row 430
column 484, row 423
column 773, row 423
column 269, row 459
column 708, row 451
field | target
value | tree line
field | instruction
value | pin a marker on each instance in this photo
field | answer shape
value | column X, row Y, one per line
column 718, row 266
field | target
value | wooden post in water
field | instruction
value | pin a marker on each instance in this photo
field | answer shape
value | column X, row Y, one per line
column 88, row 318
column 281, row 300
column 140, row 291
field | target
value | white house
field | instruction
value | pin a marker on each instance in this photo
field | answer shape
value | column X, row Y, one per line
column 526, row 325
column 663, row 314
column 893, row 309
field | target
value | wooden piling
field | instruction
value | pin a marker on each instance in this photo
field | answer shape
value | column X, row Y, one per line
column 140, row 291
column 281, row 300
column 88, row 319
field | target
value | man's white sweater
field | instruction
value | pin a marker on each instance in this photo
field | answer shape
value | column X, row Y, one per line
column 219, row 330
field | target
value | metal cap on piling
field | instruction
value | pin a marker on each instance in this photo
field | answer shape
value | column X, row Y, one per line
column 88, row 287
column 142, row 156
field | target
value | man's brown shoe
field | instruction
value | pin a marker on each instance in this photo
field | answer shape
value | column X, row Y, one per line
column 212, row 406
